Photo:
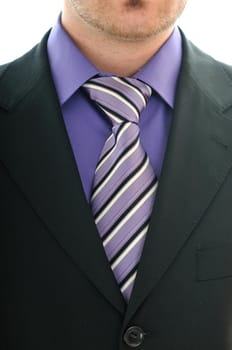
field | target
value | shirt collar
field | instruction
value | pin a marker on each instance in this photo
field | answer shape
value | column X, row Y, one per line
column 71, row 69
column 161, row 72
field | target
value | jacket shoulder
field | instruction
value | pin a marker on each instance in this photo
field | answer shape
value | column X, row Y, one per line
column 19, row 76
column 212, row 77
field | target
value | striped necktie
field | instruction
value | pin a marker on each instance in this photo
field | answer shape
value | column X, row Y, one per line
column 124, row 183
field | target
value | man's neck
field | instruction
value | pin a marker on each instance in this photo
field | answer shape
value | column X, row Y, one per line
column 111, row 55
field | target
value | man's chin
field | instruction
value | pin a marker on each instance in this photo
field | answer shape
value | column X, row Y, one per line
column 135, row 34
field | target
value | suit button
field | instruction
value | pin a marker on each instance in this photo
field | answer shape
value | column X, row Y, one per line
column 134, row 336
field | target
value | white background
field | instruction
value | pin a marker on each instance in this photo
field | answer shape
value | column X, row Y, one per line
column 208, row 23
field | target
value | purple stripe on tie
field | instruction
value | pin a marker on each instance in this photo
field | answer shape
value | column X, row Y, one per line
column 119, row 197
column 144, row 88
column 111, row 183
column 122, row 203
column 130, row 260
column 131, row 226
column 124, row 141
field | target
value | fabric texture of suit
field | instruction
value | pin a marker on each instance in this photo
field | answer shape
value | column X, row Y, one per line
column 57, row 289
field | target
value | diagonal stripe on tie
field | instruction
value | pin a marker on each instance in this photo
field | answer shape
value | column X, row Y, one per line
column 124, row 184
column 121, row 189
column 104, row 178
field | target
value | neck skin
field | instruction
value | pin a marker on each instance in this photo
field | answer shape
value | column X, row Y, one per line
column 117, row 57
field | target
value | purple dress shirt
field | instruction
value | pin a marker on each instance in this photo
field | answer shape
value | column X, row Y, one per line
column 86, row 127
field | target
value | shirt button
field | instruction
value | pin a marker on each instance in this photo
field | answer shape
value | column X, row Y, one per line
column 134, row 336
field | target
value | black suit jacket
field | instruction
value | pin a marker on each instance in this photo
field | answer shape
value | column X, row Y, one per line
column 57, row 289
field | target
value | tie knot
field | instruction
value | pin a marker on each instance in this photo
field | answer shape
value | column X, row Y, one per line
column 122, row 99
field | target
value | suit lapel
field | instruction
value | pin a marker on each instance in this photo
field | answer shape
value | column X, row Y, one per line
column 37, row 154
column 197, row 161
